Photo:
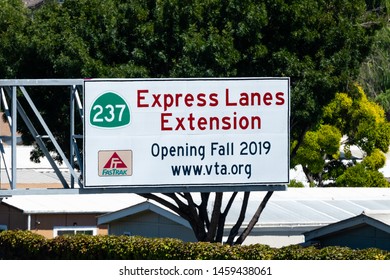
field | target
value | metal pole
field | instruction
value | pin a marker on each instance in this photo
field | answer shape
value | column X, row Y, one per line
column 13, row 139
column 9, row 121
column 1, row 141
column 71, row 151
column 29, row 222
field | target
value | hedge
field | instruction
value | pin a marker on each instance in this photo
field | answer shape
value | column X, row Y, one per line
column 27, row 245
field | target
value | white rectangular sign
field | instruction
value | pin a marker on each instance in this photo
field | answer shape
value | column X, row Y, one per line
column 169, row 132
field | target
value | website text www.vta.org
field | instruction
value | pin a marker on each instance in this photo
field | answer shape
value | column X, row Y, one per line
column 212, row 169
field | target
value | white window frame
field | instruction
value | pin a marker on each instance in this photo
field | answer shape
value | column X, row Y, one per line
column 3, row 227
column 74, row 228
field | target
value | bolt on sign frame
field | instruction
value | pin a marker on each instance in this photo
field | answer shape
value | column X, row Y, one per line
column 164, row 124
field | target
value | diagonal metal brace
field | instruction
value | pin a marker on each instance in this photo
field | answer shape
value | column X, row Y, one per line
column 51, row 136
column 40, row 143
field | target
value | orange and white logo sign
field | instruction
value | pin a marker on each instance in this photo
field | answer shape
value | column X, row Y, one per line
column 115, row 163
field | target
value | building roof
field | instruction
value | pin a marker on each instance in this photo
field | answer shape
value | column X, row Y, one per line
column 71, row 203
column 316, row 206
column 376, row 219
column 142, row 207
column 293, row 208
column 29, row 174
column 33, row 3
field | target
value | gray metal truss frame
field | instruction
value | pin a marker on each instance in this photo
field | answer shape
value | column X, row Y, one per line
column 11, row 88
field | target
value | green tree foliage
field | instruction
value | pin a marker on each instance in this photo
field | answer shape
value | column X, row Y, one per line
column 365, row 174
column 364, row 125
column 13, row 37
column 319, row 44
column 295, row 184
column 319, row 149
column 362, row 120
column 374, row 73
column 78, row 39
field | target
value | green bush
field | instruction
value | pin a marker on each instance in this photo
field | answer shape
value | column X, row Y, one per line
column 16, row 245
column 21, row 245
column 295, row 184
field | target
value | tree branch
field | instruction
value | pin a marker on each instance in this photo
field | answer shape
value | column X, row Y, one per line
column 195, row 221
column 254, row 219
column 222, row 218
column 187, row 212
column 162, row 201
column 299, row 142
column 203, row 209
column 215, row 217
column 234, row 231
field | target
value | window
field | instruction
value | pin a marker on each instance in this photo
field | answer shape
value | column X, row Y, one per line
column 57, row 231
column 3, row 228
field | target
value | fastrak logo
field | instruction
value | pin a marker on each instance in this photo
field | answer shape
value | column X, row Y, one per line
column 115, row 163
